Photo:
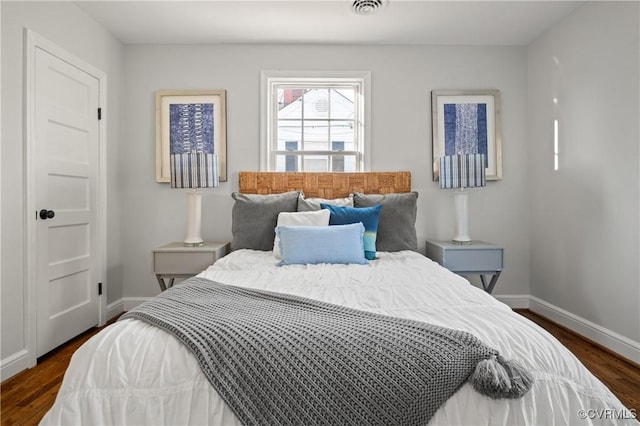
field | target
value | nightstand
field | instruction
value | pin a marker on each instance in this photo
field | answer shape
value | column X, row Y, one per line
column 174, row 260
column 476, row 258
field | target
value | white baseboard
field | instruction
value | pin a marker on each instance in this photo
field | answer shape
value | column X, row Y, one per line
column 123, row 305
column 15, row 363
column 618, row 343
column 611, row 340
column 115, row 308
column 132, row 302
column 514, row 301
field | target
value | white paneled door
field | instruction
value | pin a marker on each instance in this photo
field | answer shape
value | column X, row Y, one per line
column 66, row 188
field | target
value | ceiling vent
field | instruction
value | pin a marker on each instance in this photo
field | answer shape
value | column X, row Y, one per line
column 366, row 7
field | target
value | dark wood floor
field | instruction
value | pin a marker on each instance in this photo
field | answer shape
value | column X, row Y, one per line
column 27, row 396
column 622, row 377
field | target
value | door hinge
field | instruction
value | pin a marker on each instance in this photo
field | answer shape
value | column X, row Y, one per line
column 99, row 113
column 99, row 289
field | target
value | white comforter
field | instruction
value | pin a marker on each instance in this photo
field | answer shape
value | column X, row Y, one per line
column 134, row 373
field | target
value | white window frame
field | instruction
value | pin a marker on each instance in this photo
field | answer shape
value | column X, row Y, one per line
column 269, row 81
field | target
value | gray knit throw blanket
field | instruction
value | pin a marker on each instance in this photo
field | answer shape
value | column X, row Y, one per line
column 278, row 359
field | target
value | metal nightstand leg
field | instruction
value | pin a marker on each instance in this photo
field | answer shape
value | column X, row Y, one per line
column 492, row 283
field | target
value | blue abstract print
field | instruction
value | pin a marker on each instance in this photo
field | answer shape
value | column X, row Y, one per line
column 465, row 129
column 191, row 128
column 192, row 159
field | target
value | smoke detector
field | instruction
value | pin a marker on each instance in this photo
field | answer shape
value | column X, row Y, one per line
column 366, row 7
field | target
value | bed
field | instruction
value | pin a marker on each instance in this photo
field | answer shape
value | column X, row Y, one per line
column 136, row 373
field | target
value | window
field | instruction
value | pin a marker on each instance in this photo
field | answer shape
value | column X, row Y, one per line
column 337, row 161
column 314, row 122
column 291, row 161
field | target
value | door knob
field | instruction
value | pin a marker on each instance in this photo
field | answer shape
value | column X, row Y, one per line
column 47, row 214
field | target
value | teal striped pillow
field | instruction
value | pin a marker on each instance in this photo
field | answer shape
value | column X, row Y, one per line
column 368, row 216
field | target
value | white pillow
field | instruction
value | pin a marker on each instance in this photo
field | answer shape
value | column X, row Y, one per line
column 311, row 204
column 314, row 218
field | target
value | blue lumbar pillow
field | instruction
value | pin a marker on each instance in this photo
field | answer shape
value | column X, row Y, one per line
column 321, row 244
column 368, row 216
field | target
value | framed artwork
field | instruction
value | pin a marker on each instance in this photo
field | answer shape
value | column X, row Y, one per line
column 467, row 122
column 195, row 119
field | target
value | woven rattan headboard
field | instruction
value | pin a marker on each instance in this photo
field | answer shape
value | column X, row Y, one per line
column 324, row 185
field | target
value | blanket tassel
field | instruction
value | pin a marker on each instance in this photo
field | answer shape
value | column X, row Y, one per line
column 497, row 378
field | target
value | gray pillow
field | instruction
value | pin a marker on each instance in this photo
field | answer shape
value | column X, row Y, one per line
column 254, row 218
column 397, row 223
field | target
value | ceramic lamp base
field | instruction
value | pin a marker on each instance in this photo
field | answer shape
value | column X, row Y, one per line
column 461, row 205
column 194, row 219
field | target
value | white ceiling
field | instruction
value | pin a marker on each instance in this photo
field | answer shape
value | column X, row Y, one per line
column 328, row 21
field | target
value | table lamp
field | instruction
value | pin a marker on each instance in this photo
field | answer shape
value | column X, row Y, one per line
column 193, row 165
column 461, row 171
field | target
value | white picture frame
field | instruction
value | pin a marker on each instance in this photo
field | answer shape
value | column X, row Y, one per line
column 489, row 136
column 164, row 99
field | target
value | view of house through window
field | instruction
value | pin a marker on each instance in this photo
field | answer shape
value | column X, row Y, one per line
column 314, row 121
column 316, row 129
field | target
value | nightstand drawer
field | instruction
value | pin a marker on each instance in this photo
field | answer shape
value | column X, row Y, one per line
column 472, row 260
column 182, row 263
column 476, row 257
column 175, row 260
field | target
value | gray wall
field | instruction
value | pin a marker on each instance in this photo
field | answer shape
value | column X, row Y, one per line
column 66, row 25
column 585, row 216
column 402, row 79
